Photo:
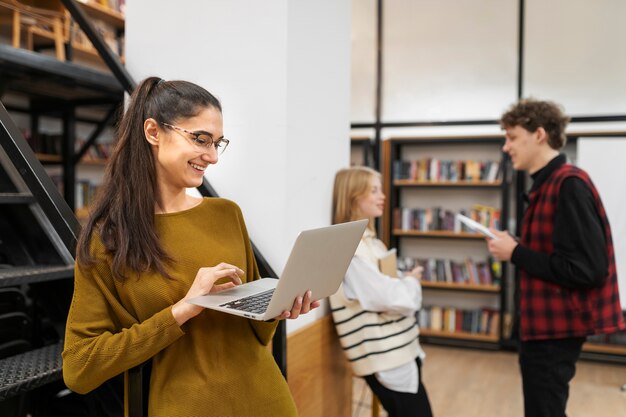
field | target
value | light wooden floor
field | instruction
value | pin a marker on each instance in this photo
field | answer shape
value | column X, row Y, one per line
column 480, row 383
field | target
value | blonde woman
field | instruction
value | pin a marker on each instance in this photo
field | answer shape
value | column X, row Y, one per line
column 374, row 313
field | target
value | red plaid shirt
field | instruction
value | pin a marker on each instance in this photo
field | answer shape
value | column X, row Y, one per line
column 551, row 311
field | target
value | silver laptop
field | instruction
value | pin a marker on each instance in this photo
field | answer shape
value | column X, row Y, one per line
column 318, row 262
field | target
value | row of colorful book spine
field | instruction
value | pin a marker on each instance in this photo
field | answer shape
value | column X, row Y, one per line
column 438, row 218
column 468, row 271
column 433, row 169
column 450, row 319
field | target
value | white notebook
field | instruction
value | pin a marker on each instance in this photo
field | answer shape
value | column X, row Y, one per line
column 475, row 226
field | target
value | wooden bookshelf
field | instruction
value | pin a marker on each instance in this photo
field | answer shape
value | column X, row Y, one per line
column 437, row 234
column 498, row 138
column 605, row 348
column 450, row 196
column 459, row 335
column 470, row 184
column 44, row 157
column 106, row 14
column 86, row 51
column 461, row 287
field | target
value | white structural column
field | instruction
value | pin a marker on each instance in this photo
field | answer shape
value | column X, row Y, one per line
column 282, row 72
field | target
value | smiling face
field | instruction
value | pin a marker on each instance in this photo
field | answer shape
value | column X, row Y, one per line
column 179, row 162
column 372, row 204
column 524, row 147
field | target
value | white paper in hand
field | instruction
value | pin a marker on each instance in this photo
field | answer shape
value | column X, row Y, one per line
column 475, row 226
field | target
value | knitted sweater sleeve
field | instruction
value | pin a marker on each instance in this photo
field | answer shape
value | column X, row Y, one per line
column 102, row 339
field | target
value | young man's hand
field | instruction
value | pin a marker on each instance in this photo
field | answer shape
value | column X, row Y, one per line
column 502, row 247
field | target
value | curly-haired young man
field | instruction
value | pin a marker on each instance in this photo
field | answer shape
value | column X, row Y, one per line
column 568, row 281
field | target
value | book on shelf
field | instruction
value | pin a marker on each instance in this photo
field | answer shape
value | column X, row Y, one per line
column 85, row 193
column 484, row 320
column 440, row 219
column 468, row 271
column 44, row 143
column 433, row 169
column 117, row 5
column 433, row 317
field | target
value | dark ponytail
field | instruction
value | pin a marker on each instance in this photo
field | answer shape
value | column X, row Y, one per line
column 123, row 213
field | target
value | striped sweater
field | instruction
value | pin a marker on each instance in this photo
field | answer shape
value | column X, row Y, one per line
column 373, row 341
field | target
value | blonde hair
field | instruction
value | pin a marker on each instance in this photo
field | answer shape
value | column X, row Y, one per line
column 351, row 184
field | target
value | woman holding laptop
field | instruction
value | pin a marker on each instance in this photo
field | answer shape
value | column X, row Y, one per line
column 374, row 313
column 148, row 247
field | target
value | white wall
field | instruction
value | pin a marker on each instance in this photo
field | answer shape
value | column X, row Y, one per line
column 363, row 61
column 576, row 54
column 603, row 159
column 281, row 69
column 457, row 60
column 448, row 59
column 441, row 60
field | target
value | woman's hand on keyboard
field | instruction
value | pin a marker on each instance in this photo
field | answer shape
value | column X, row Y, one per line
column 301, row 305
column 204, row 283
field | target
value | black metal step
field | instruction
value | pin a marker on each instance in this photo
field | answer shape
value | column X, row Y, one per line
column 16, row 198
column 26, row 275
column 29, row 370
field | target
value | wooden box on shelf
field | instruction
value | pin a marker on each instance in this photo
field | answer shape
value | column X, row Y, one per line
column 44, row 22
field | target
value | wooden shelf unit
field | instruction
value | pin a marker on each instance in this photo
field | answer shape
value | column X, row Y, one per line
column 106, row 14
column 397, row 190
column 604, row 348
column 447, row 184
column 48, row 158
column 445, row 234
column 461, row 287
column 460, row 335
column 113, row 19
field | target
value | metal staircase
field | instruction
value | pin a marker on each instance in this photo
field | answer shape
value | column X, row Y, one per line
column 37, row 237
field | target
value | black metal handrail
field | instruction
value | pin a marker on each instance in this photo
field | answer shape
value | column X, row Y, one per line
column 39, row 183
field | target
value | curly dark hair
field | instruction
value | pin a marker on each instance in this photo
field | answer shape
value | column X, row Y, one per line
column 532, row 114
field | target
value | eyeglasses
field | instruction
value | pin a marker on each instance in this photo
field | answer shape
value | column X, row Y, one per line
column 202, row 139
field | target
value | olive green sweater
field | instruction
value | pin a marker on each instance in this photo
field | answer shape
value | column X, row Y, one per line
column 215, row 364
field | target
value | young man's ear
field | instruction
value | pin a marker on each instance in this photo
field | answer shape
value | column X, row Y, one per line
column 151, row 131
column 542, row 135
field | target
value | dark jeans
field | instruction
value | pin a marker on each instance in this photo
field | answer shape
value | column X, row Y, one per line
column 547, row 367
column 402, row 404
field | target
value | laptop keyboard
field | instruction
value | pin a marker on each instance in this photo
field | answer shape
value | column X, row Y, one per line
column 253, row 304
